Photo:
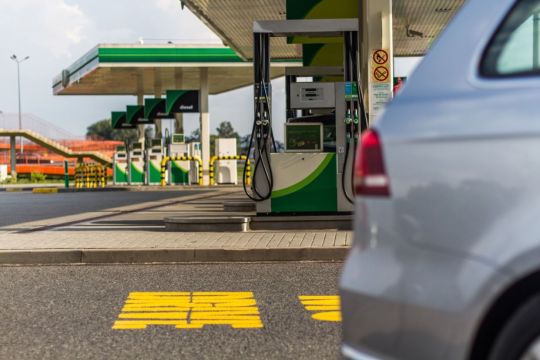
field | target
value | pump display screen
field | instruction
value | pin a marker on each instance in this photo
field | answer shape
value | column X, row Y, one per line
column 304, row 137
column 137, row 146
column 120, row 149
column 178, row 139
column 156, row 142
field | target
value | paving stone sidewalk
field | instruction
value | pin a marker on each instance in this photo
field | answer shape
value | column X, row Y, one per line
column 136, row 234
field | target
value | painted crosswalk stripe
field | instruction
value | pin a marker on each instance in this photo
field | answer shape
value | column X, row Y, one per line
column 189, row 310
column 323, row 307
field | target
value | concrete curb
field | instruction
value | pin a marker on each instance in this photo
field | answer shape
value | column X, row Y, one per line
column 60, row 189
column 145, row 256
column 207, row 224
column 45, row 190
column 141, row 188
column 16, row 189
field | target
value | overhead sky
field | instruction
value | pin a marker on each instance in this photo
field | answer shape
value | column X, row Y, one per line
column 55, row 33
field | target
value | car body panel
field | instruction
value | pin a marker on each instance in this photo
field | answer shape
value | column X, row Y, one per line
column 463, row 160
column 394, row 308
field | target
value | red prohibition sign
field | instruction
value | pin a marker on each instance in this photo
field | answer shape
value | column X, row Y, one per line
column 381, row 73
column 380, row 57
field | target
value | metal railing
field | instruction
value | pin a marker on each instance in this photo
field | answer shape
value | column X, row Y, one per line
column 90, row 176
column 166, row 160
column 213, row 159
column 56, row 147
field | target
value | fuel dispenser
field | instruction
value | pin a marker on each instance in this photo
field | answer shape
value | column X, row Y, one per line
column 136, row 174
column 120, row 166
column 314, row 174
column 195, row 151
column 179, row 171
column 226, row 170
column 155, row 155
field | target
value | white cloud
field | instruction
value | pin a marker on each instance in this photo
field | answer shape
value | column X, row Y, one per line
column 52, row 27
column 55, row 33
column 168, row 5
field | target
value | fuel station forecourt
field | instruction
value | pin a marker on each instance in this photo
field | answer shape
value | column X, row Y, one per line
column 347, row 52
column 213, row 292
column 384, row 31
column 337, row 59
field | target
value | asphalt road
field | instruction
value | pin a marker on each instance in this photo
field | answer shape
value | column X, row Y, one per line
column 67, row 312
column 20, row 207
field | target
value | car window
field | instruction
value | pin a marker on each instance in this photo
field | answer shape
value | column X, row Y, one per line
column 515, row 48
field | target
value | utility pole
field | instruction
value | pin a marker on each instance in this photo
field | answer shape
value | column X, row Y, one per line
column 19, row 62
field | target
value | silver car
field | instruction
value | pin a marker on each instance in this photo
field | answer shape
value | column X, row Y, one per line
column 446, row 257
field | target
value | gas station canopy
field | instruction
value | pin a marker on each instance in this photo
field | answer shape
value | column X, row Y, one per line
column 131, row 69
column 416, row 23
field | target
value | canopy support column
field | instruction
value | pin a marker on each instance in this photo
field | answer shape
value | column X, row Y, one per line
column 377, row 53
column 179, row 117
column 205, row 126
column 157, row 94
column 140, row 128
column 13, row 156
column 140, row 101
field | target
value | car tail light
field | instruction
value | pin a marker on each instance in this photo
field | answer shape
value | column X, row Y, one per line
column 371, row 178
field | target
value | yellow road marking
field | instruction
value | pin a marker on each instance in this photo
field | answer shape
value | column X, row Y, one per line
column 185, row 310
column 324, row 307
column 44, row 190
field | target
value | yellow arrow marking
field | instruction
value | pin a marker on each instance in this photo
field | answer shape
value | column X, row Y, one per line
column 185, row 310
column 324, row 307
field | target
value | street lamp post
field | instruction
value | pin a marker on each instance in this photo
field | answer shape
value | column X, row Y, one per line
column 19, row 62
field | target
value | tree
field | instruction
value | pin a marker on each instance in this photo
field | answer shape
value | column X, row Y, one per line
column 244, row 144
column 226, row 130
column 103, row 130
column 195, row 136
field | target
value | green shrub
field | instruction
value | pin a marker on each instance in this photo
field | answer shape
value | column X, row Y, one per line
column 36, row 177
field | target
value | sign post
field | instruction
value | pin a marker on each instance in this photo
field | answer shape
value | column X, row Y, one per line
column 381, row 81
column 66, row 174
column 378, row 56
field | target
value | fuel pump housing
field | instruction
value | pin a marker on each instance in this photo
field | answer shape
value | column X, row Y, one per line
column 324, row 119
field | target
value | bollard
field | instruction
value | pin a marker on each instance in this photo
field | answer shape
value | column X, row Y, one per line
column 213, row 159
column 248, row 172
column 86, row 176
column 103, row 176
column 163, row 170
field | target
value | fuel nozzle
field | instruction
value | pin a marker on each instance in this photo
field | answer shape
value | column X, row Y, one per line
column 265, row 120
column 356, row 119
column 348, row 117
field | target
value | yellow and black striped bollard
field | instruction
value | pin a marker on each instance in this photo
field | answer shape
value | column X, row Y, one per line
column 163, row 170
column 248, row 172
column 212, row 161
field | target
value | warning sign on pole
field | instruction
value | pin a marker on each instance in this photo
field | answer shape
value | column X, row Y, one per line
column 380, row 81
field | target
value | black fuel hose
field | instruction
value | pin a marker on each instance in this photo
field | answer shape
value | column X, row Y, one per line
column 260, row 135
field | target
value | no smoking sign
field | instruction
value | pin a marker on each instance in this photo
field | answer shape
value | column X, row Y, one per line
column 381, row 73
column 380, row 57
column 380, row 66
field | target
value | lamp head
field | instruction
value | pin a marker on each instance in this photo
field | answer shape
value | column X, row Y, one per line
column 13, row 57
